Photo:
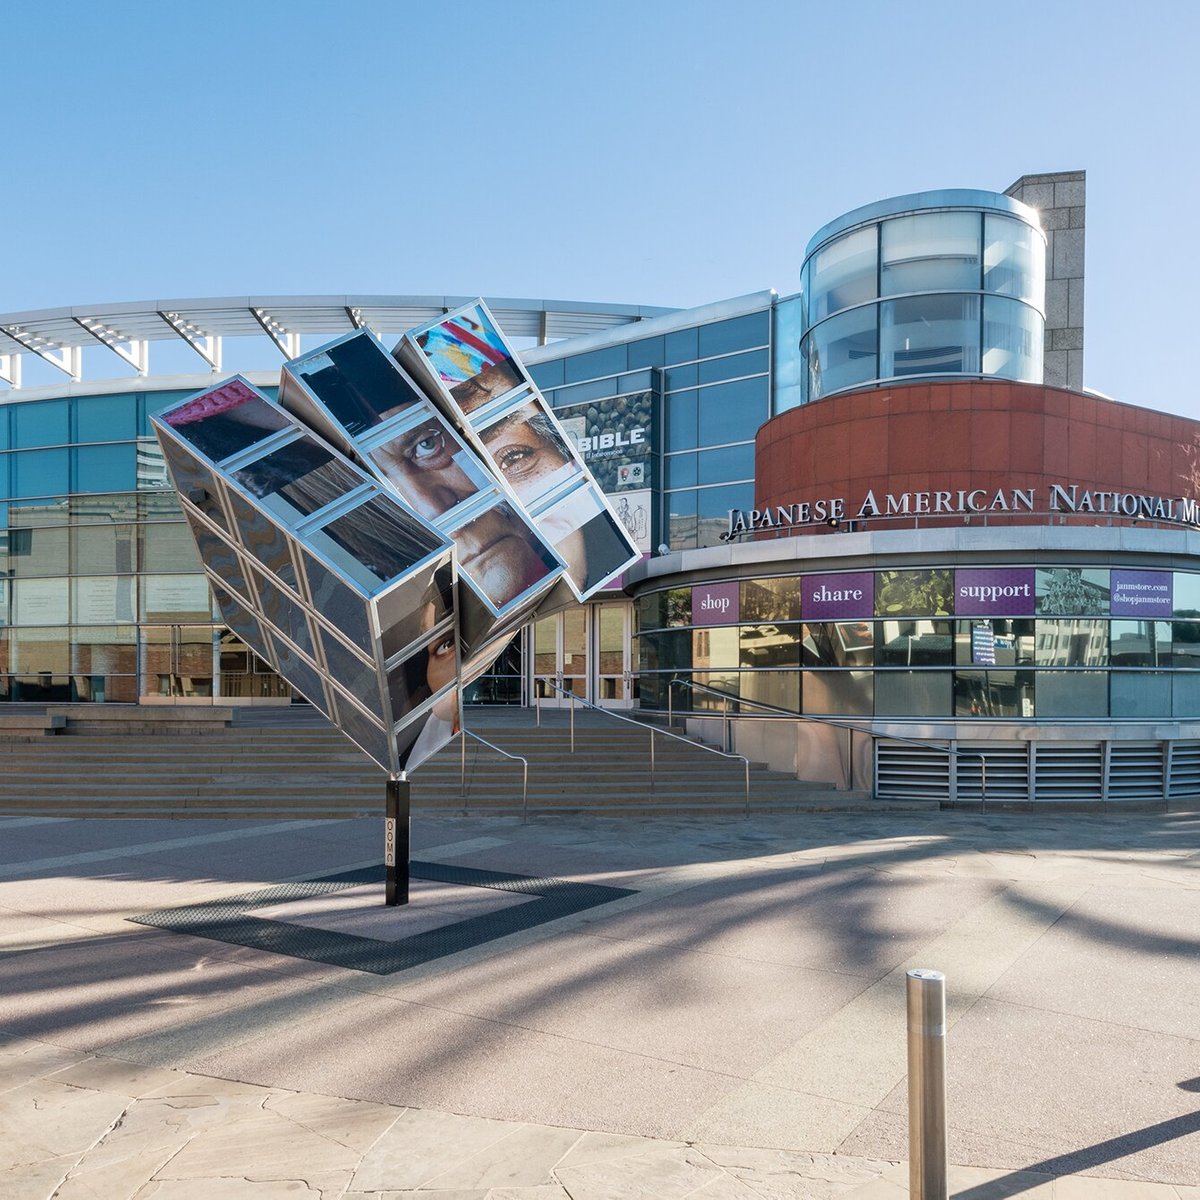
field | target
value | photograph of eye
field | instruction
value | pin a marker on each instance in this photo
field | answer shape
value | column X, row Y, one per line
column 530, row 452
column 430, row 468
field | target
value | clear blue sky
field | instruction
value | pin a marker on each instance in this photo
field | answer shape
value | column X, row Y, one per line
column 646, row 151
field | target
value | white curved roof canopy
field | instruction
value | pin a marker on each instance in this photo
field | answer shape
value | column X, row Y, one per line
column 59, row 336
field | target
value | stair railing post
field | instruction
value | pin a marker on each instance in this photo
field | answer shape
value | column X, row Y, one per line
column 462, row 767
column 725, row 736
column 670, row 696
column 652, row 762
column 572, row 695
column 537, row 702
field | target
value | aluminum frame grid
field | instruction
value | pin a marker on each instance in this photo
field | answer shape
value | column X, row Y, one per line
column 233, row 922
column 483, row 617
column 257, row 585
column 497, row 409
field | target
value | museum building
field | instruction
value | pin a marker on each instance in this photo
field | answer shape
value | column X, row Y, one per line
column 890, row 540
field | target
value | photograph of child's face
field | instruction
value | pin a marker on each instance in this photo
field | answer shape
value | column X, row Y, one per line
column 530, row 453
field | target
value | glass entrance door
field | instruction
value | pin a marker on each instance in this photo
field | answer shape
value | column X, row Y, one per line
column 586, row 651
column 176, row 664
column 615, row 685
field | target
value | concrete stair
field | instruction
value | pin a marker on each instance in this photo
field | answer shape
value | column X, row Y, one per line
column 290, row 763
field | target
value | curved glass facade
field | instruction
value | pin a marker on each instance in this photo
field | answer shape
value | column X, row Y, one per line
column 937, row 284
column 1010, row 643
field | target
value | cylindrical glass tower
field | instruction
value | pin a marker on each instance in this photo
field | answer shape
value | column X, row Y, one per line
column 936, row 284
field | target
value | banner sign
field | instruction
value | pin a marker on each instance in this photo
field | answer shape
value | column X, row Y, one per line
column 994, row 593
column 843, row 597
column 615, row 437
column 1141, row 594
column 716, row 604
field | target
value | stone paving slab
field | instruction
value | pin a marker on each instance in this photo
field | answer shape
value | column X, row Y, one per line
column 735, row 1028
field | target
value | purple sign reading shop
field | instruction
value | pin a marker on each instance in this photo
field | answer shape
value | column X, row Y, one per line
column 715, row 604
column 1141, row 594
column 844, row 597
column 999, row 592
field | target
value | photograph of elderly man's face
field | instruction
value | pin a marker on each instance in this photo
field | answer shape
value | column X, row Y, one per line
column 530, row 453
column 502, row 555
column 430, row 466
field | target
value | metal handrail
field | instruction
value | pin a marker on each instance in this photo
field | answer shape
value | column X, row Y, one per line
column 641, row 725
column 462, row 786
column 852, row 726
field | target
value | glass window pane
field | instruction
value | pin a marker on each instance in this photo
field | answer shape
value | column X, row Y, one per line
column 1185, row 644
column 106, row 418
column 727, row 464
column 38, row 551
column 105, row 599
column 46, row 423
column 648, row 352
column 733, row 366
column 1140, row 693
column 739, row 333
column 1140, row 644
column 769, row 646
column 682, row 346
column 174, row 598
column 681, row 517
column 715, row 647
column 915, row 643
column 34, row 651
column 840, row 353
column 4, row 442
column 788, row 373
column 612, row 360
column 41, row 473
column 104, row 651
column 681, row 421
column 109, row 550
column 731, row 411
column 1013, row 334
column 929, row 335
column 547, row 374
column 111, row 468
column 837, row 693
column 1072, row 643
column 1187, row 594
column 777, row 689
column 596, row 389
column 771, row 599
column 40, row 601
column 168, row 547
column 666, row 650
column 999, row 642
column 1071, row 591
column 914, row 693
column 914, row 593
column 1072, row 694
column 680, row 471
column 1007, row 694
column 930, row 252
column 712, row 510
column 1185, row 696
column 843, row 273
column 838, row 643
column 1014, row 259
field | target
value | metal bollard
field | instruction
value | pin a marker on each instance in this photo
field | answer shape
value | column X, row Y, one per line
column 926, row 996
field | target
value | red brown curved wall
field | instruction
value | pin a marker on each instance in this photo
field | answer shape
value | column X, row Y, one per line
column 924, row 437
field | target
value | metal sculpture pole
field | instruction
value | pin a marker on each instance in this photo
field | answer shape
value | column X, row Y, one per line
column 396, row 841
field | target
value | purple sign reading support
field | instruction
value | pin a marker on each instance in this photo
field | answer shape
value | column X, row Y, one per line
column 994, row 593
column 1142, row 594
column 837, row 597
column 715, row 604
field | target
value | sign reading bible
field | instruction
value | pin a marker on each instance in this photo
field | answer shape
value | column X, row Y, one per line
column 381, row 533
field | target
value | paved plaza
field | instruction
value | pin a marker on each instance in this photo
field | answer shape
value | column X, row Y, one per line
column 727, row 1022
